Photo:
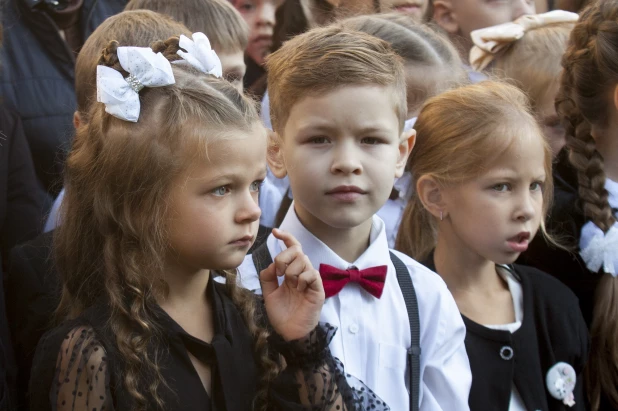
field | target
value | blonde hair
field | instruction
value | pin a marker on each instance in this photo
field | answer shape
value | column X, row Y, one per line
column 431, row 55
column 459, row 133
column 218, row 19
column 590, row 70
column 324, row 59
column 130, row 28
column 119, row 175
column 533, row 63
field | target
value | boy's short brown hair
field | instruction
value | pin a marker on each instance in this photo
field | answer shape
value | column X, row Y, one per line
column 137, row 28
column 217, row 19
column 324, row 59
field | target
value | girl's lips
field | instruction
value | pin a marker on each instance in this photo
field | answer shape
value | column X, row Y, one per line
column 518, row 246
column 407, row 8
column 520, row 242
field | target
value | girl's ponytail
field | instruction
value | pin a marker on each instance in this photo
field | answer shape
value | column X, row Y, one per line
column 417, row 236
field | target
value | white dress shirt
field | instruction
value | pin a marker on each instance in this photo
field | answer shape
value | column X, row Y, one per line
column 374, row 334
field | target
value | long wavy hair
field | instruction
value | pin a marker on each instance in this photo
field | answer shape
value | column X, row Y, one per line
column 590, row 70
column 112, row 242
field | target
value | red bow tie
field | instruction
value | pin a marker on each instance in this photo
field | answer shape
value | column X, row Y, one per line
column 371, row 279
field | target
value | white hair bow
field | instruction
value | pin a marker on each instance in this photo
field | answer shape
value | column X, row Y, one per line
column 199, row 54
column 121, row 95
column 599, row 249
column 492, row 40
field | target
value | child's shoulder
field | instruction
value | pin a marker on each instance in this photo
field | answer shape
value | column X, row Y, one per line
column 422, row 277
column 547, row 289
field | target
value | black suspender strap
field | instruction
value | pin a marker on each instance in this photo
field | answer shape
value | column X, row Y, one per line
column 262, row 259
column 414, row 352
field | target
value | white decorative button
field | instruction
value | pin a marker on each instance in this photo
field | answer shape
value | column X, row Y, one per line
column 561, row 379
column 353, row 328
column 506, row 353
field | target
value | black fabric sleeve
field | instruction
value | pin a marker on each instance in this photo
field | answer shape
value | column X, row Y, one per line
column 314, row 380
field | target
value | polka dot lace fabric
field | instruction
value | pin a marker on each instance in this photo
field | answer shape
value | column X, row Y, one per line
column 318, row 378
column 82, row 380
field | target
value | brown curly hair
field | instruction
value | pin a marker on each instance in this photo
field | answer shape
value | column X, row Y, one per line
column 118, row 178
column 590, row 69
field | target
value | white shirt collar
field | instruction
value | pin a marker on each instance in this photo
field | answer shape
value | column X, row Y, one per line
column 319, row 253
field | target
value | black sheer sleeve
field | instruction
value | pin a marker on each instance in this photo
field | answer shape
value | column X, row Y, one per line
column 81, row 376
column 314, row 380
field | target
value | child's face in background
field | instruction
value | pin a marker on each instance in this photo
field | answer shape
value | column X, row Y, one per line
column 234, row 67
column 342, row 152
column 214, row 213
column 414, row 8
column 550, row 121
column 461, row 17
column 260, row 17
column 496, row 215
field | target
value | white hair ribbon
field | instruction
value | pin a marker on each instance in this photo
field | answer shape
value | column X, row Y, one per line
column 599, row 249
column 199, row 54
column 121, row 95
column 492, row 40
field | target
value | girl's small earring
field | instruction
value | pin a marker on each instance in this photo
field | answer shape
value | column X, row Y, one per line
column 441, row 216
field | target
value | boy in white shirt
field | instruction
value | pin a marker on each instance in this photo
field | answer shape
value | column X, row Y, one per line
column 338, row 105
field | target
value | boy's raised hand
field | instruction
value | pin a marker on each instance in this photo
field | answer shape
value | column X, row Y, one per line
column 293, row 307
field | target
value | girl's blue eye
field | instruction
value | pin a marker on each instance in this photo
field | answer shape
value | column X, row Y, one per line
column 501, row 187
column 220, row 191
column 256, row 185
column 536, row 186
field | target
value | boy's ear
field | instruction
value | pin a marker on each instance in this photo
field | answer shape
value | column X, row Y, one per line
column 406, row 144
column 431, row 195
column 444, row 16
column 275, row 159
column 77, row 120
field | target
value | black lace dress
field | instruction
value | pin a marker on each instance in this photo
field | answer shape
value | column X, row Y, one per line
column 77, row 367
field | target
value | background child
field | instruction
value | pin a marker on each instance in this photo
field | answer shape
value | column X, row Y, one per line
column 482, row 172
column 531, row 62
column 586, row 197
column 338, row 106
column 222, row 24
column 149, row 179
column 460, row 17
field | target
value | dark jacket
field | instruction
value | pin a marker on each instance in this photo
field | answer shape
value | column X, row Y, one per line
column 32, row 295
column 552, row 331
column 21, row 215
column 37, row 79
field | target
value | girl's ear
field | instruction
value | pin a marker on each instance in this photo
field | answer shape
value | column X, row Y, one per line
column 444, row 16
column 431, row 195
column 276, row 162
column 406, row 144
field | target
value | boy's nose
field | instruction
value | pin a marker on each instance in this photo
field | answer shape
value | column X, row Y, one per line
column 346, row 162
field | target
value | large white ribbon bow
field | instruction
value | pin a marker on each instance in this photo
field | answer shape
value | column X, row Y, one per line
column 199, row 54
column 121, row 95
column 491, row 40
column 599, row 249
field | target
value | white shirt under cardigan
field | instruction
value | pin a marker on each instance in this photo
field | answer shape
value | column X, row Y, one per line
column 374, row 334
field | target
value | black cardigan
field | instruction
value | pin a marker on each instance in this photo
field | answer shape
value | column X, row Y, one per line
column 552, row 331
